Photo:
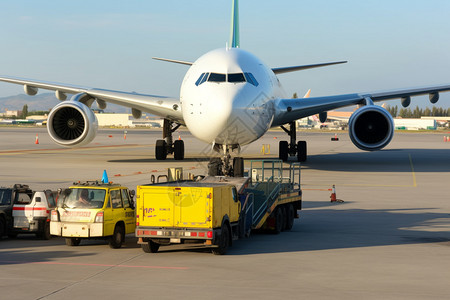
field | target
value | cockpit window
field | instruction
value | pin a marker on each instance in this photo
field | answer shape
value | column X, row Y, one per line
column 251, row 79
column 236, row 77
column 233, row 78
column 215, row 77
column 201, row 79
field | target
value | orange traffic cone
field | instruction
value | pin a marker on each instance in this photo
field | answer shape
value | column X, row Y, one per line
column 333, row 194
column 37, row 139
column 179, row 137
column 335, row 137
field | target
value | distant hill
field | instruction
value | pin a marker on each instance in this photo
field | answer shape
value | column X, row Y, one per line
column 43, row 102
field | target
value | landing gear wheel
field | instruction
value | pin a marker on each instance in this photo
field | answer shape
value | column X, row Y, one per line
column 290, row 215
column 279, row 221
column 150, row 247
column 215, row 167
column 161, row 150
column 283, row 150
column 73, row 241
column 178, row 150
column 45, row 234
column 223, row 242
column 238, row 167
column 301, row 151
column 118, row 237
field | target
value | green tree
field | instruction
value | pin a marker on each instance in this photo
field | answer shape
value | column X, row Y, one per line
column 24, row 111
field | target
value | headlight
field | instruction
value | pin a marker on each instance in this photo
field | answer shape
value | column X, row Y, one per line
column 99, row 217
column 54, row 216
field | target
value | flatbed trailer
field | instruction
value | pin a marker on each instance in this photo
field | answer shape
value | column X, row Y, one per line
column 215, row 211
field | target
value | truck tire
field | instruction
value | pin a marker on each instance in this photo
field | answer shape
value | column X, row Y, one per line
column 290, row 215
column 12, row 235
column 73, row 241
column 118, row 237
column 45, row 233
column 150, row 247
column 2, row 227
column 223, row 242
column 279, row 221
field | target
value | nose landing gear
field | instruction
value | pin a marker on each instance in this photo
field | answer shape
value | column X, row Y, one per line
column 224, row 166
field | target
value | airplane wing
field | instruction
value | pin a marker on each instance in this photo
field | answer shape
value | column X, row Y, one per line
column 165, row 107
column 289, row 110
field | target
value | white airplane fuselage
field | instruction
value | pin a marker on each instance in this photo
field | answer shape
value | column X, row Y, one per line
column 224, row 112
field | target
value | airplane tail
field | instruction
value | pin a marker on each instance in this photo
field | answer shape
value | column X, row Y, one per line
column 234, row 36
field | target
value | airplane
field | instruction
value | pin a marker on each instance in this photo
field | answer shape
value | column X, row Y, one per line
column 228, row 98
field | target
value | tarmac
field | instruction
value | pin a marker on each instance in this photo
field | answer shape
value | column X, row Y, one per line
column 389, row 238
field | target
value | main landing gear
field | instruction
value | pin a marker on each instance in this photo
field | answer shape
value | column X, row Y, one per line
column 293, row 148
column 167, row 145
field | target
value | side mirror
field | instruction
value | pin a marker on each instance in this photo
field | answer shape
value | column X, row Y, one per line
column 132, row 193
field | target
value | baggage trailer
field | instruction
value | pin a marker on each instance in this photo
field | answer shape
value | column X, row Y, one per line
column 215, row 211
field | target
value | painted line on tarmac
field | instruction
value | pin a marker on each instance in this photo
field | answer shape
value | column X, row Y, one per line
column 26, row 151
column 92, row 265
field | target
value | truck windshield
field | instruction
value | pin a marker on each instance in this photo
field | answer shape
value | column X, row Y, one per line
column 5, row 197
column 83, row 198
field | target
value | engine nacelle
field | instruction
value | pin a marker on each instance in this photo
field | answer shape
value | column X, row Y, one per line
column 371, row 128
column 71, row 123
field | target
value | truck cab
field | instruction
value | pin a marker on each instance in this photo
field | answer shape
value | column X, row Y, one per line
column 8, row 196
column 33, row 215
column 94, row 210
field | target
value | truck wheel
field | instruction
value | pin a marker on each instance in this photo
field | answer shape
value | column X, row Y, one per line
column 279, row 221
column 150, row 247
column 2, row 228
column 118, row 237
column 12, row 235
column 73, row 241
column 290, row 215
column 45, row 233
column 223, row 241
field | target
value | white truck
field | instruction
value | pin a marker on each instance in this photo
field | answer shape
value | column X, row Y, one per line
column 32, row 215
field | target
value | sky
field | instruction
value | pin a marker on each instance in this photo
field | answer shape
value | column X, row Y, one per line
column 109, row 44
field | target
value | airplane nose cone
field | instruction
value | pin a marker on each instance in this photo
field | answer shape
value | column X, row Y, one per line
column 206, row 118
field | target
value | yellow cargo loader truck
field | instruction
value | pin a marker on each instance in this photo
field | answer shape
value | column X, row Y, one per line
column 214, row 211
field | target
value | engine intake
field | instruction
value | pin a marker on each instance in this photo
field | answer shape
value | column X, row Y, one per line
column 371, row 128
column 71, row 123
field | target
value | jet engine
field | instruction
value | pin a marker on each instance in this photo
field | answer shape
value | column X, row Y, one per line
column 371, row 128
column 71, row 123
